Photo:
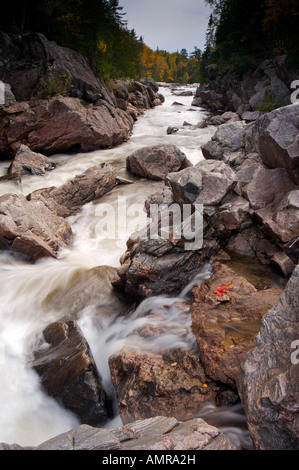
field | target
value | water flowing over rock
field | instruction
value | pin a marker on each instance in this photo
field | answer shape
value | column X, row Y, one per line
column 268, row 382
column 69, row 198
column 156, row 162
column 30, row 229
column 68, row 372
column 278, row 139
column 158, row 433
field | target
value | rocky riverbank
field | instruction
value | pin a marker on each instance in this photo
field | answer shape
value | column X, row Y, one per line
column 204, row 332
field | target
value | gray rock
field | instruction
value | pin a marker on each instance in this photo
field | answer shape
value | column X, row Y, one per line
column 278, row 139
column 68, row 372
column 157, row 161
column 268, row 383
column 68, row 199
column 30, row 229
column 27, row 162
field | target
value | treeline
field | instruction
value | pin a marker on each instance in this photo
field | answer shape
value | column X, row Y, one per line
column 97, row 29
column 242, row 33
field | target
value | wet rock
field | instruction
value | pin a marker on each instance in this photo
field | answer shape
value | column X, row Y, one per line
column 157, row 161
column 149, row 384
column 268, row 381
column 68, row 372
column 69, row 198
column 30, row 229
column 225, row 326
column 27, row 162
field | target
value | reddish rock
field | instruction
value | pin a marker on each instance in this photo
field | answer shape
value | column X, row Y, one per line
column 30, row 229
column 63, row 124
column 69, row 198
column 225, row 326
column 157, row 161
column 269, row 377
column 27, row 162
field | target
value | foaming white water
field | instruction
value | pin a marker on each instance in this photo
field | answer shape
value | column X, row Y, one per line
column 27, row 415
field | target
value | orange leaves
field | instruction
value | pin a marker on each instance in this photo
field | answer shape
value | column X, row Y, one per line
column 221, row 290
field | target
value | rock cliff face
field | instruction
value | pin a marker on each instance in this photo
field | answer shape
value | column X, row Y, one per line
column 268, row 381
column 270, row 82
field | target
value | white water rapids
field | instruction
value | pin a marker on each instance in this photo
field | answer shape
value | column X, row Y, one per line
column 28, row 416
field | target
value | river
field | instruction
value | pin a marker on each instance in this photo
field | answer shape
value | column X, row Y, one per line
column 28, row 416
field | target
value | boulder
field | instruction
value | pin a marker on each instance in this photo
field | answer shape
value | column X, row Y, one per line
column 230, row 137
column 157, row 161
column 30, row 63
column 68, row 372
column 278, row 139
column 68, row 199
column 62, row 124
column 150, row 384
column 207, row 183
column 30, row 229
column 152, row 434
column 268, row 381
column 27, row 162
column 225, row 323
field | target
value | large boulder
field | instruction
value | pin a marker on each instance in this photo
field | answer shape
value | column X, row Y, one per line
column 207, row 183
column 68, row 372
column 27, row 162
column 30, row 229
column 63, row 124
column 157, row 161
column 153, row 434
column 278, row 139
column 69, row 198
column 225, row 321
column 268, row 382
column 150, row 384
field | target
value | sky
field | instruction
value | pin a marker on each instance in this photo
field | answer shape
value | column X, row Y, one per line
column 170, row 25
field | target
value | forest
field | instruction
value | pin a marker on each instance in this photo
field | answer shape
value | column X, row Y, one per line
column 240, row 34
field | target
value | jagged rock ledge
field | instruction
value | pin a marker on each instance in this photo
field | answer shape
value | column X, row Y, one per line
column 158, row 433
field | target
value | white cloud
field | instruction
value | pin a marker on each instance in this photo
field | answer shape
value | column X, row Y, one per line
column 168, row 24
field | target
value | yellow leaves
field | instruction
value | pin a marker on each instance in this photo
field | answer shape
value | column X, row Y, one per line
column 101, row 46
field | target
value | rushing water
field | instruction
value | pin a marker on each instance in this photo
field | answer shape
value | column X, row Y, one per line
column 28, row 416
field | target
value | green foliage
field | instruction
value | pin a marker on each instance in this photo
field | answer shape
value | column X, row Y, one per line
column 270, row 102
column 59, row 85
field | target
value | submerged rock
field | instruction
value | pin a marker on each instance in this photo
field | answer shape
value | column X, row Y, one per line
column 268, row 381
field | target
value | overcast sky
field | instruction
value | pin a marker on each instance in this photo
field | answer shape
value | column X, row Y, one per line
column 168, row 24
